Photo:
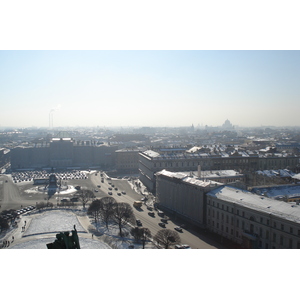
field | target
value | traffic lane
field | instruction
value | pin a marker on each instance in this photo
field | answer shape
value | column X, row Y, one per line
column 193, row 240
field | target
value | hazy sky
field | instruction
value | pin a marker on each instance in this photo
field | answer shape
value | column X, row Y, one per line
column 149, row 88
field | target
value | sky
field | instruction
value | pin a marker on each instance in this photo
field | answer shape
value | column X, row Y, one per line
column 149, row 88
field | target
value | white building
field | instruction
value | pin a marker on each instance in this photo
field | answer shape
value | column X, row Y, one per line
column 251, row 220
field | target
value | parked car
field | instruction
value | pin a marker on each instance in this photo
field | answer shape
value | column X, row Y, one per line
column 162, row 224
column 178, row 229
column 138, row 222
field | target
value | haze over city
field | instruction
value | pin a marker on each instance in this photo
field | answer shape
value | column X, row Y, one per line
column 149, row 88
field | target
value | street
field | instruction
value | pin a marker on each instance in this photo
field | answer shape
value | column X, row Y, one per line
column 13, row 196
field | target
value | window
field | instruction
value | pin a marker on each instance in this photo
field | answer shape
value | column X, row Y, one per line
column 274, row 237
column 274, row 224
column 291, row 229
column 282, row 227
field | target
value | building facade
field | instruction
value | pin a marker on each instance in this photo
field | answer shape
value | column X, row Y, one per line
column 151, row 162
column 249, row 220
column 183, row 195
column 63, row 153
column 127, row 160
column 253, row 221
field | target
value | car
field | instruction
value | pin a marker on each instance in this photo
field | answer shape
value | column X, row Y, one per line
column 119, row 194
column 109, row 193
column 99, row 186
column 116, row 188
column 96, row 191
column 138, row 222
column 123, row 192
column 162, row 224
column 160, row 213
column 164, row 220
column 110, row 188
column 178, row 229
column 151, row 213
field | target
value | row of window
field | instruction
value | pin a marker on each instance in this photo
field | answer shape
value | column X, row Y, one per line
column 262, row 221
column 276, row 239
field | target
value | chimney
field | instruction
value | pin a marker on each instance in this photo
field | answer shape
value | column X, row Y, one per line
column 199, row 171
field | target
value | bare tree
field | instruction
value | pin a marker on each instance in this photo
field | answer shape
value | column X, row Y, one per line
column 94, row 209
column 167, row 238
column 146, row 234
column 106, row 209
column 122, row 215
column 84, row 196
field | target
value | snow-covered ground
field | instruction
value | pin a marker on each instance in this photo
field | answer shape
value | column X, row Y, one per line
column 53, row 221
column 85, row 243
column 41, row 228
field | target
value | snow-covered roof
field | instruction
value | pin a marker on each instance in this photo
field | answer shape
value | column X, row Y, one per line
column 188, row 179
column 244, row 198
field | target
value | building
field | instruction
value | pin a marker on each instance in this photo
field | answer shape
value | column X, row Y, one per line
column 4, row 157
column 127, row 160
column 252, row 221
column 248, row 220
column 209, row 158
column 63, row 153
column 183, row 195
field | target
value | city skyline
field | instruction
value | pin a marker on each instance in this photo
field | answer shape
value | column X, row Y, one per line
column 149, row 88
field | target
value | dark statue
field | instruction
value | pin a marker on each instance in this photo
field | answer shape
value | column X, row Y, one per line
column 65, row 241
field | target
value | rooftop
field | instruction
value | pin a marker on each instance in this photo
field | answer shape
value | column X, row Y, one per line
column 264, row 204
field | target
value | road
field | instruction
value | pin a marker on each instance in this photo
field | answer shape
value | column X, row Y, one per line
column 12, row 196
column 194, row 239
